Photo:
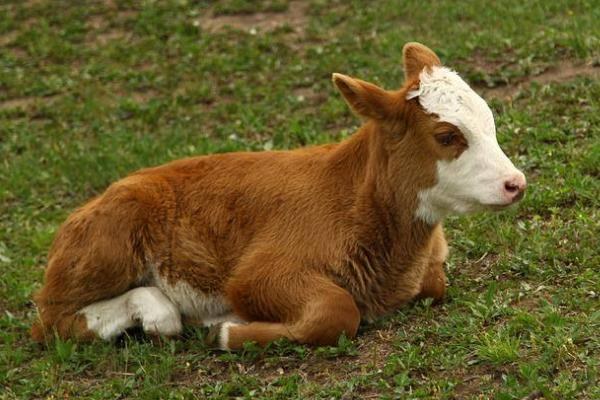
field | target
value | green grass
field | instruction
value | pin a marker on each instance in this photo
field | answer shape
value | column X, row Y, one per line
column 91, row 92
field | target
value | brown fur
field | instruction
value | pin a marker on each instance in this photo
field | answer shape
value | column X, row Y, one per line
column 303, row 244
column 416, row 56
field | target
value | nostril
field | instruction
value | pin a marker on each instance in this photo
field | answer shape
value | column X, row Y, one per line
column 511, row 187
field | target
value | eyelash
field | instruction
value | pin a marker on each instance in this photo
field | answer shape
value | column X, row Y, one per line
column 446, row 139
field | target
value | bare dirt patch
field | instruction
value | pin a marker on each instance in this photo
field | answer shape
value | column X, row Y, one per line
column 96, row 22
column 143, row 96
column 114, row 94
column 532, row 299
column 479, row 270
column 103, row 38
column 127, row 14
column 8, row 38
column 103, row 29
column 478, row 61
column 474, row 378
column 308, row 96
column 562, row 72
column 33, row 3
column 18, row 103
column 295, row 17
column 18, row 52
column 25, row 102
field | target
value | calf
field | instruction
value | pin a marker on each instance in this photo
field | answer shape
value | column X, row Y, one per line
column 299, row 244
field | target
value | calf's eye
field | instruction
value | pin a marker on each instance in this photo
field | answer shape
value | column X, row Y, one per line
column 446, row 139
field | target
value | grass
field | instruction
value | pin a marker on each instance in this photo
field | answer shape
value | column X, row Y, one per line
column 92, row 91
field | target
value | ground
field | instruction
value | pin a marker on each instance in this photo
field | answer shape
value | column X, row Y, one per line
column 90, row 91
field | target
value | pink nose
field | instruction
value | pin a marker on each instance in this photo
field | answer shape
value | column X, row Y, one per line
column 514, row 187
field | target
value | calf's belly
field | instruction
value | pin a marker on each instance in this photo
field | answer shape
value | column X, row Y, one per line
column 194, row 304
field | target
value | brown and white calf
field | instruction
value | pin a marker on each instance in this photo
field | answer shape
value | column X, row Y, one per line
column 299, row 244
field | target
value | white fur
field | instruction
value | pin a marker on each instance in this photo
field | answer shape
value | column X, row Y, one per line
column 158, row 309
column 210, row 309
column 475, row 180
column 145, row 306
column 231, row 317
column 194, row 303
column 224, row 335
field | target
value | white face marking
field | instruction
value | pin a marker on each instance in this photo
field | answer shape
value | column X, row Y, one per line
column 476, row 179
column 145, row 306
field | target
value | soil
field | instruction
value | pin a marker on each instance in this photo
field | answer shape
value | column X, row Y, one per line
column 20, row 102
column 295, row 17
column 560, row 72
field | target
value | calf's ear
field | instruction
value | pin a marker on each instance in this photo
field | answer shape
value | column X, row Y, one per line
column 416, row 57
column 364, row 98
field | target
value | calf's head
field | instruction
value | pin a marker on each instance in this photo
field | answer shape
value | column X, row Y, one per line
column 445, row 130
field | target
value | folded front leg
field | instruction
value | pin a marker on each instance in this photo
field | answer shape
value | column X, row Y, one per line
column 303, row 307
column 433, row 284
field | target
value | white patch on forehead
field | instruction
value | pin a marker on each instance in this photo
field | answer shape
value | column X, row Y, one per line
column 476, row 179
column 442, row 92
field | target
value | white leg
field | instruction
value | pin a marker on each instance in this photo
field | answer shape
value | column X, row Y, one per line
column 224, row 335
column 231, row 317
column 219, row 328
column 145, row 306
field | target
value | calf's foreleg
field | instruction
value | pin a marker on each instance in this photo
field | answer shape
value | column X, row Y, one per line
column 306, row 309
column 433, row 284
